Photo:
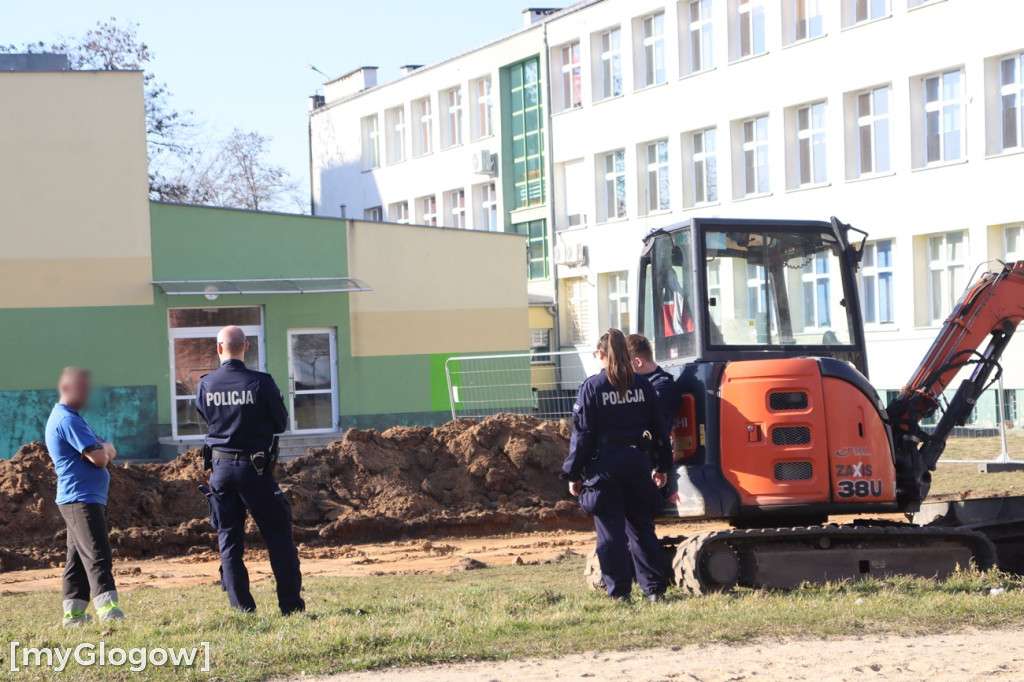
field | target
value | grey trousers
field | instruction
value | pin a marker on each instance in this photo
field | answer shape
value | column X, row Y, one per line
column 89, row 569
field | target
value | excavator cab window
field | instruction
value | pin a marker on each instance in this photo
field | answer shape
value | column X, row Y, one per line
column 773, row 288
column 670, row 319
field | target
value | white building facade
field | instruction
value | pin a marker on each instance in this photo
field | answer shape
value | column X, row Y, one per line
column 901, row 117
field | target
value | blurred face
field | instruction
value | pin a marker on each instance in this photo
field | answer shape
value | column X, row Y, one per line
column 602, row 357
column 75, row 389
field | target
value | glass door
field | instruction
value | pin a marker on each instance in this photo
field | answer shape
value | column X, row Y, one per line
column 193, row 345
column 312, row 375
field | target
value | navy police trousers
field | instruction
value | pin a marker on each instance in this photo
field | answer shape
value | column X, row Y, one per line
column 236, row 488
column 620, row 494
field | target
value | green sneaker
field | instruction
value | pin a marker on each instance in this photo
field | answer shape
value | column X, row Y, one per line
column 107, row 607
column 74, row 613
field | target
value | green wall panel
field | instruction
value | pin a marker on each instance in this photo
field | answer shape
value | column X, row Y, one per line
column 125, row 415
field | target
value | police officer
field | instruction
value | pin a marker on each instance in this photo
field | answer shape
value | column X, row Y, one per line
column 244, row 409
column 610, row 472
column 642, row 358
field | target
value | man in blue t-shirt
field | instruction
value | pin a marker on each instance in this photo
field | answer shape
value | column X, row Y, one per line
column 80, row 458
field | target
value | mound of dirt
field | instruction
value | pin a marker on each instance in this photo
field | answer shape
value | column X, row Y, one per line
column 495, row 475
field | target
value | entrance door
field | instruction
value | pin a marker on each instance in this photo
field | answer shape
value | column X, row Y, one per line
column 312, row 375
column 193, row 345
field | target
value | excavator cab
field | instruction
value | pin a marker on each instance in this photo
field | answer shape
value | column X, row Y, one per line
column 716, row 290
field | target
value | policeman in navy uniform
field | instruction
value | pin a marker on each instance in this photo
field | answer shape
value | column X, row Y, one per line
column 669, row 395
column 244, row 409
column 609, row 469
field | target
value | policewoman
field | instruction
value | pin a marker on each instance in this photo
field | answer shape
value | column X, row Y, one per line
column 609, row 469
column 244, row 410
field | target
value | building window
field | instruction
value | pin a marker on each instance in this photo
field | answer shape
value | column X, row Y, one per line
column 657, row 184
column 652, row 59
column 817, row 292
column 578, row 308
column 527, row 138
column 399, row 212
column 616, row 297
column 1013, row 243
column 571, row 91
column 873, row 131
column 911, row 4
column 755, row 156
column 808, row 21
column 423, row 131
column 810, row 134
column 876, row 278
column 861, row 11
column 944, row 117
column 1011, row 97
column 697, row 45
column 457, row 202
column 452, row 133
column 536, row 246
column 482, row 102
column 371, row 143
column 947, row 272
column 489, row 207
column 395, row 119
column 540, row 346
column 576, row 195
column 428, row 210
column 751, row 34
column 613, row 165
column 374, row 214
column 611, row 63
column 705, row 167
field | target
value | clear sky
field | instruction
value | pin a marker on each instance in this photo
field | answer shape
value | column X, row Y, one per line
column 243, row 64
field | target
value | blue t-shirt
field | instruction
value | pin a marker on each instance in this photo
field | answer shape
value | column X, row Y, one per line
column 78, row 480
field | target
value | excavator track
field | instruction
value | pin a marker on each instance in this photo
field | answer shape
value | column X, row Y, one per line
column 782, row 558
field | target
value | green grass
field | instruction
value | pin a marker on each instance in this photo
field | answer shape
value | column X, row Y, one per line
column 498, row 613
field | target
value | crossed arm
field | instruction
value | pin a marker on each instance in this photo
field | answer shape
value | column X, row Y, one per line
column 100, row 454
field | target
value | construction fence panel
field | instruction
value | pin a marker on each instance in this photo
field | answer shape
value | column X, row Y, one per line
column 540, row 384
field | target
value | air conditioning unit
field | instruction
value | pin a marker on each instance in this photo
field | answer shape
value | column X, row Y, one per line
column 484, row 163
column 571, row 255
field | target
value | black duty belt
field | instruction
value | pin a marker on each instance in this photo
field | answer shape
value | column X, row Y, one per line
column 236, row 456
column 627, row 441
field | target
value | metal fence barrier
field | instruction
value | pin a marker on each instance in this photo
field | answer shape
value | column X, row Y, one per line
column 540, row 384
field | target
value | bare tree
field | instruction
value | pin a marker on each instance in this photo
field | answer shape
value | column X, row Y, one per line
column 237, row 174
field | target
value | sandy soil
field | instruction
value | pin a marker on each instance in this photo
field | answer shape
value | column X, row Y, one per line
column 409, row 556
column 955, row 657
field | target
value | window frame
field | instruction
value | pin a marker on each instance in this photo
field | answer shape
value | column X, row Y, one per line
column 452, row 117
column 1013, row 89
column 946, row 266
column 489, row 207
column 815, row 139
column 871, row 270
column 483, row 104
column 611, row 63
column 657, row 177
column 423, row 140
column 617, row 301
column 571, row 78
column 398, row 212
column 751, row 148
column 457, row 199
column 428, row 210
column 939, row 108
column 652, row 50
column 700, row 35
column 397, row 130
column 614, row 178
column 748, row 14
column 537, row 248
column 530, row 188
column 1009, row 255
column 701, row 168
column 374, row 214
column 371, row 142
column 871, row 122
column 802, row 19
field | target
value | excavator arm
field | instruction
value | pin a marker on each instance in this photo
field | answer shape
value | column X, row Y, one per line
column 974, row 335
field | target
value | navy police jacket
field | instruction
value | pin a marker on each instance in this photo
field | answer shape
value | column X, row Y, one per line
column 243, row 408
column 669, row 395
column 603, row 418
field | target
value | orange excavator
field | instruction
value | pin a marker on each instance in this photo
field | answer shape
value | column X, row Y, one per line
column 761, row 323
